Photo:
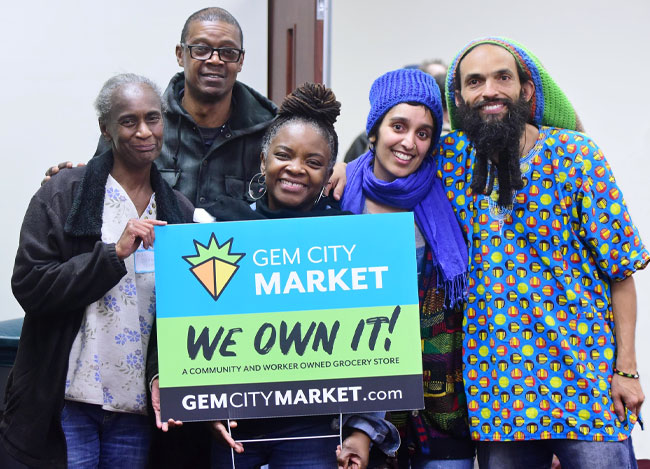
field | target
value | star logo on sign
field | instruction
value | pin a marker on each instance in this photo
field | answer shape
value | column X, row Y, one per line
column 214, row 265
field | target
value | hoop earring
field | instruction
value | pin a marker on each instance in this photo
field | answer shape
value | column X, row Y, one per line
column 260, row 181
column 320, row 196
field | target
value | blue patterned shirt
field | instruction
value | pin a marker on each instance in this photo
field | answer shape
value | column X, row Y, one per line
column 539, row 344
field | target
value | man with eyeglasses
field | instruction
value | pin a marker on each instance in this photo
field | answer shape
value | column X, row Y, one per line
column 214, row 124
column 211, row 147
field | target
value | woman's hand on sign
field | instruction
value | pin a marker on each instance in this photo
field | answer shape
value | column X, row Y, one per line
column 355, row 451
column 155, row 403
column 222, row 435
column 135, row 232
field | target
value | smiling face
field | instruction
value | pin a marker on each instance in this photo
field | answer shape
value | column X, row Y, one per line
column 489, row 81
column 210, row 80
column 296, row 167
column 402, row 141
column 135, row 125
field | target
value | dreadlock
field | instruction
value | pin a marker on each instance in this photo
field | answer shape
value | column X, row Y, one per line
column 314, row 104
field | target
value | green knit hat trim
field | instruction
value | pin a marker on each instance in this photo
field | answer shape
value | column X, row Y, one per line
column 550, row 106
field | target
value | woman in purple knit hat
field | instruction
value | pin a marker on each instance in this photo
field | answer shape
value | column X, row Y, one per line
column 398, row 174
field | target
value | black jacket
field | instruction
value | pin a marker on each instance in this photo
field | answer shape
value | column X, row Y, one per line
column 61, row 267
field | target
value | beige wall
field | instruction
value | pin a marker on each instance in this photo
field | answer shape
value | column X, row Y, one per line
column 596, row 50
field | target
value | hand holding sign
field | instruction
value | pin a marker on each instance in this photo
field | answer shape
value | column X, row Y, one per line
column 355, row 452
column 155, row 403
column 222, row 435
column 136, row 232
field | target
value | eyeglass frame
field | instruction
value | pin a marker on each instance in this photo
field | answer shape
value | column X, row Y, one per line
column 214, row 49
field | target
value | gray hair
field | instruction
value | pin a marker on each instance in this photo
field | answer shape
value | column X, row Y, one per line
column 104, row 100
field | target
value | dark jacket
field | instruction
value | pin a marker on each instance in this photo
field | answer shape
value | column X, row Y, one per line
column 202, row 174
column 61, row 267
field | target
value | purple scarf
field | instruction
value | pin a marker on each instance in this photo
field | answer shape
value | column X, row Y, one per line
column 422, row 193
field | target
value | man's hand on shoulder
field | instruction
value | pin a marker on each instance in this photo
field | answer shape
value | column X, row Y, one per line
column 55, row 169
column 337, row 181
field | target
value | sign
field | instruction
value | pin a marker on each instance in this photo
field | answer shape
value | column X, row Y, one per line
column 288, row 317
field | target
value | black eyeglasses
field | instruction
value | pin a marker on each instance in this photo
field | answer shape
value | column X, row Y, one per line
column 226, row 54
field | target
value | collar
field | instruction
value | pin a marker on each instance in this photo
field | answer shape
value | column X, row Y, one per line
column 85, row 217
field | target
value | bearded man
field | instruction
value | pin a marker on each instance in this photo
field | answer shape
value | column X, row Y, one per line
column 552, row 253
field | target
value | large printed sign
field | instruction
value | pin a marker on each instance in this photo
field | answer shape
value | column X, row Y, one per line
column 288, row 317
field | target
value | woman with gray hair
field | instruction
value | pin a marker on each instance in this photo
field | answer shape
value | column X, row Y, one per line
column 84, row 276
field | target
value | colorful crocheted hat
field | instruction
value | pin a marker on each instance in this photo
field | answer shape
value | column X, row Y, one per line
column 401, row 86
column 550, row 106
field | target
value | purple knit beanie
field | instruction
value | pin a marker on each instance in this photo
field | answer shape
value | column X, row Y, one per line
column 401, row 86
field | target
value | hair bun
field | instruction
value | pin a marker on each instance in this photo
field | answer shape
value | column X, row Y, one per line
column 312, row 101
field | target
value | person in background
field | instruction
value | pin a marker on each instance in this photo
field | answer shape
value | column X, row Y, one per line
column 357, row 148
column 398, row 174
column 76, row 396
column 437, row 68
column 553, row 251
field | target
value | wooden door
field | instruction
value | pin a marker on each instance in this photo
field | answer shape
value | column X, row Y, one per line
column 295, row 45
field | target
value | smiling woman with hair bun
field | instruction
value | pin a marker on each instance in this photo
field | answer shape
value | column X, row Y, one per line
column 298, row 153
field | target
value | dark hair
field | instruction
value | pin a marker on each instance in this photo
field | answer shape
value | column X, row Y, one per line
column 439, row 77
column 521, row 73
column 314, row 104
column 440, row 81
column 212, row 14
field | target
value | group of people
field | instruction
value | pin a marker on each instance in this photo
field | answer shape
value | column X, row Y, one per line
column 525, row 252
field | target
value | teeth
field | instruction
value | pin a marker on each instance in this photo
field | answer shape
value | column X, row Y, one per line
column 292, row 184
column 402, row 156
column 492, row 107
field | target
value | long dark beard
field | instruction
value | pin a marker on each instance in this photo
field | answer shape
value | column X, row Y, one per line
column 499, row 139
